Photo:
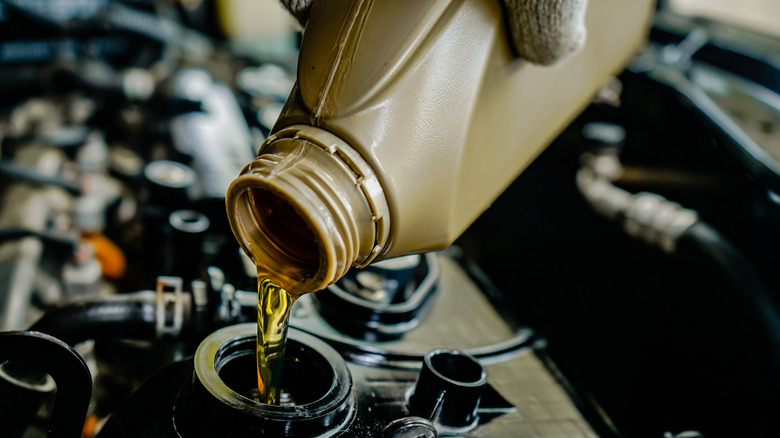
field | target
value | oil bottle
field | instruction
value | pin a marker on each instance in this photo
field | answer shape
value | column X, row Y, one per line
column 407, row 120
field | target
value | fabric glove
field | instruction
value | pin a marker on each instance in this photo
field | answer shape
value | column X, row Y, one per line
column 541, row 31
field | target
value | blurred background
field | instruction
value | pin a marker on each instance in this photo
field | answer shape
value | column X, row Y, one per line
column 123, row 122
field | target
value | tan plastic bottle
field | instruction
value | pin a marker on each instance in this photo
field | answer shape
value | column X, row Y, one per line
column 408, row 119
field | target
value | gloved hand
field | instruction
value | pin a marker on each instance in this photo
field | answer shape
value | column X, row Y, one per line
column 541, row 31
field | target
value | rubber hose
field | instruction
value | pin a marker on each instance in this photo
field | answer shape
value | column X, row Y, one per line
column 702, row 241
column 130, row 316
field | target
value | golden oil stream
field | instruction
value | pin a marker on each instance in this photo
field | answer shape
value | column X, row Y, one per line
column 273, row 314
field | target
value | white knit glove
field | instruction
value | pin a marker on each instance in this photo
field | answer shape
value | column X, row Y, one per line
column 299, row 9
column 541, row 31
column 546, row 31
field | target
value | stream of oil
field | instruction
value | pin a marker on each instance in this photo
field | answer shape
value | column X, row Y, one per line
column 273, row 314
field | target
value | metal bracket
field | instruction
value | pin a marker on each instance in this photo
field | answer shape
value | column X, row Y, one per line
column 169, row 292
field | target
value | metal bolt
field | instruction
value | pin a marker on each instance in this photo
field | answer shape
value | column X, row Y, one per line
column 410, row 427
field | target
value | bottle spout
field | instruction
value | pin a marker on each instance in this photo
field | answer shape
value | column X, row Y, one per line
column 307, row 209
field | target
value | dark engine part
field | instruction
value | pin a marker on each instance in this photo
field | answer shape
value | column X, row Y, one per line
column 384, row 301
column 66, row 368
column 666, row 339
column 337, row 384
column 210, row 395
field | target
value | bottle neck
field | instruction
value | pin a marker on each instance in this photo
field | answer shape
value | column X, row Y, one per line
column 307, row 209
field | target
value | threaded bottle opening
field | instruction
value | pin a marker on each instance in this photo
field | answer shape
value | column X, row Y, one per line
column 301, row 212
